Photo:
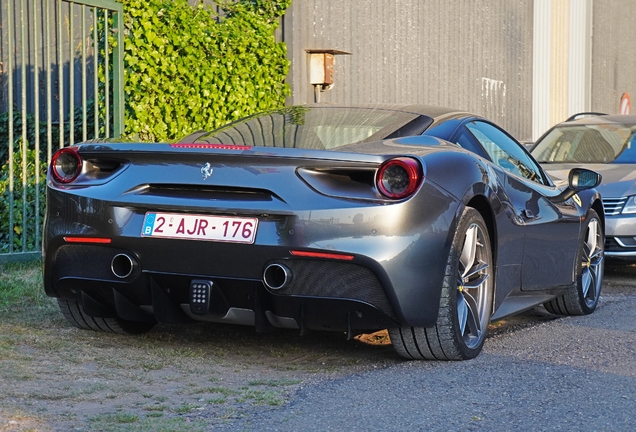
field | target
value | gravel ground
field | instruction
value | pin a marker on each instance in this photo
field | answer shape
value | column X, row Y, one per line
column 537, row 373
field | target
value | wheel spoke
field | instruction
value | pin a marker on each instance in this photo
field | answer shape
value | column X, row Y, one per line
column 594, row 271
column 590, row 247
column 592, row 237
column 477, row 282
column 462, row 312
column 592, row 290
column 586, row 281
column 472, row 319
column 469, row 251
column 596, row 265
column 596, row 257
column 479, row 269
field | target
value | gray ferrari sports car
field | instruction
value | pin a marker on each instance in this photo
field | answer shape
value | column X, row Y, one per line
column 422, row 220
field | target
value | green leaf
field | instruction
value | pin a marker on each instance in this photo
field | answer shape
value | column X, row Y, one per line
column 188, row 69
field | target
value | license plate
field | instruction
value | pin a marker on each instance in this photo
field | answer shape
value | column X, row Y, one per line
column 200, row 227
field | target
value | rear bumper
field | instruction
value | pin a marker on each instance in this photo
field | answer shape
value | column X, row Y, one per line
column 322, row 295
column 399, row 256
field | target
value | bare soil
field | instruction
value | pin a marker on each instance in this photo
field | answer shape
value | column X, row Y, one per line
column 186, row 377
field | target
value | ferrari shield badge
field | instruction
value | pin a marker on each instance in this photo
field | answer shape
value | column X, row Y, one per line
column 206, row 171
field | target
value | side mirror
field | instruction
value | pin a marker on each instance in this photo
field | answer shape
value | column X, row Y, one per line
column 582, row 179
column 579, row 179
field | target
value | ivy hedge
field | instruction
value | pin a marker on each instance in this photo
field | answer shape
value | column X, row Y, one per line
column 24, row 216
column 188, row 68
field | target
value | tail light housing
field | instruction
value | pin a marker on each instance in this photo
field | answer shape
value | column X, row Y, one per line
column 398, row 178
column 66, row 165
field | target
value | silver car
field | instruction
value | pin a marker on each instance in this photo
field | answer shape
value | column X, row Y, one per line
column 607, row 145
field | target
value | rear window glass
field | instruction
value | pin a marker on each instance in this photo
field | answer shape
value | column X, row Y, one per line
column 314, row 128
column 588, row 144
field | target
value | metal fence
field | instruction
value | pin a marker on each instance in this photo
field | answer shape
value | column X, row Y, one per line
column 61, row 81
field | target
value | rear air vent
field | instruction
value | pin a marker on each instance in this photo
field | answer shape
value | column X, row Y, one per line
column 104, row 165
column 207, row 193
column 345, row 182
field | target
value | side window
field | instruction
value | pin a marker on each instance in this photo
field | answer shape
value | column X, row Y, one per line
column 466, row 140
column 505, row 152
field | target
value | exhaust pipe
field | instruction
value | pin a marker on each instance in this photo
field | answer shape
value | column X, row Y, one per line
column 277, row 276
column 123, row 265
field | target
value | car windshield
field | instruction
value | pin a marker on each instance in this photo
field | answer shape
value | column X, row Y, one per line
column 605, row 143
column 317, row 128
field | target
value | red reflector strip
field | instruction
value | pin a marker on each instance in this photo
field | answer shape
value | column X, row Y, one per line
column 212, row 146
column 321, row 255
column 87, row 240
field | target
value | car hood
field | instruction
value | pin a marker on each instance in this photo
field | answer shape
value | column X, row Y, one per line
column 619, row 180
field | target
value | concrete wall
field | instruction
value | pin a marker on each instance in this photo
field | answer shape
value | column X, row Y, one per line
column 471, row 55
column 613, row 54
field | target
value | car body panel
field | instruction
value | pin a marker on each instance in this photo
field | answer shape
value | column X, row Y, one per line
column 385, row 259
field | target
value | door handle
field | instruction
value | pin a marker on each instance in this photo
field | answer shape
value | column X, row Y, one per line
column 528, row 213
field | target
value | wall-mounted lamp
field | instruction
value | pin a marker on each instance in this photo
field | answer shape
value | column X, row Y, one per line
column 321, row 62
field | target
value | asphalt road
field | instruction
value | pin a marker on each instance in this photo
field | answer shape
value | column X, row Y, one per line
column 536, row 373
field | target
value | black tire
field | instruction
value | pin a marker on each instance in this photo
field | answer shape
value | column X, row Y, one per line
column 583, row 297
column 466, row 301
column 74, row 314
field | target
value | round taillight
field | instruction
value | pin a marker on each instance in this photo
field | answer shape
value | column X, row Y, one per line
column 66, row 165
column 398, row 178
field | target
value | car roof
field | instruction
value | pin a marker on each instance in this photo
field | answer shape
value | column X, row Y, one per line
column 601, row 119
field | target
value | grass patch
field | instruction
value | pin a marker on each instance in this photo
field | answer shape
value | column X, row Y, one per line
column 125, row 418
column 260, row 397
column 275, row 383
column 153, row 422
column 218, row 390
column 185, row 408
column 149, row 366
column 156, row 408
column 21, row 286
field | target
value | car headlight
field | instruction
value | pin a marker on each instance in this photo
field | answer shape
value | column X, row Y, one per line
column 630, row 205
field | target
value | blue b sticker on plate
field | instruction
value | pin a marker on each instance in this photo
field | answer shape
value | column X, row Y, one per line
column 149, row 223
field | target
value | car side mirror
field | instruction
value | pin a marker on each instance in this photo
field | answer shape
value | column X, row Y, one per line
column 579, row 179
column 582, row 179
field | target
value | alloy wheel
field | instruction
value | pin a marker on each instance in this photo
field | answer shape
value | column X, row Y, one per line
column 592, row 263
column 472, row 287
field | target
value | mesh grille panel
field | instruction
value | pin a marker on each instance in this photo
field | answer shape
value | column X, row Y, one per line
column 335, row 280
column 85, row 261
